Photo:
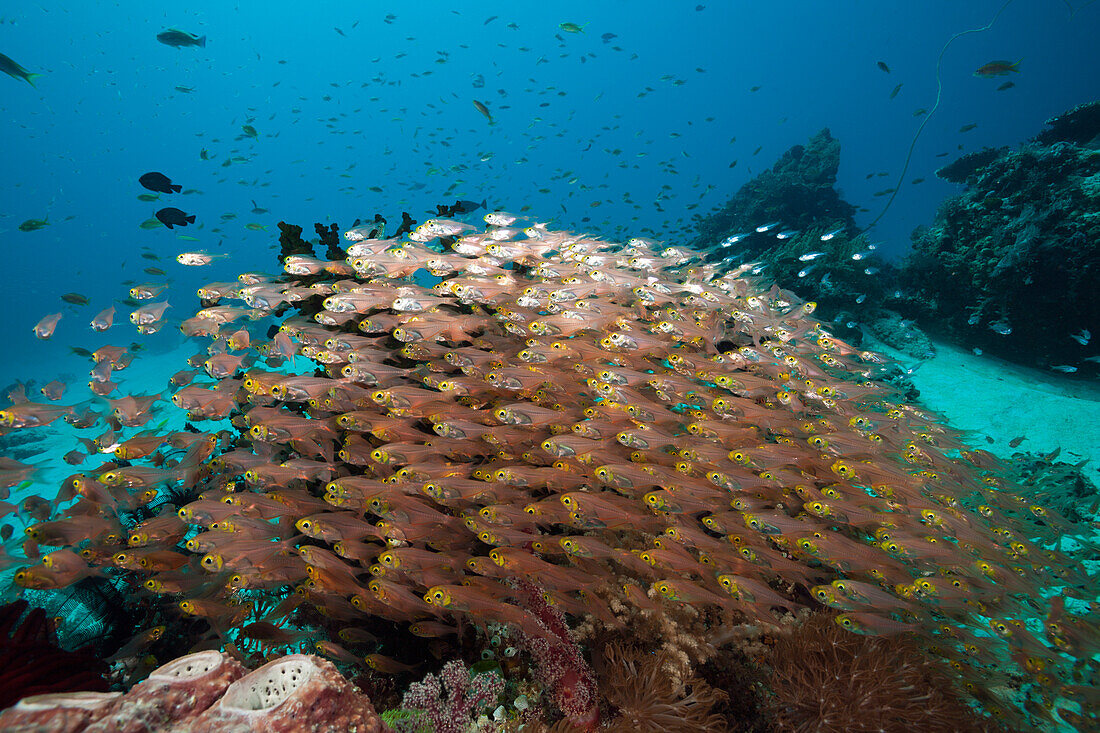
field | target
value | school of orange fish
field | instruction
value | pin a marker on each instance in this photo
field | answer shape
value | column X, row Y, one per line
column 617, row 422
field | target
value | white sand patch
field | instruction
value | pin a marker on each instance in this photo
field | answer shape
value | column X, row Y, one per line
column 1003, row 401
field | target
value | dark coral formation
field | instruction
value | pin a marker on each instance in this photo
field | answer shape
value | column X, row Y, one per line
column 291, row 242
column 1081, row 125
column 32, row 662
column 799, row 191
column 1012, row 264
column 969, row 164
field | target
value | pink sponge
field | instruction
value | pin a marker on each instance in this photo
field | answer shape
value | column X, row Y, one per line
column 59, row 712
column 293, row 694
column 172, row 694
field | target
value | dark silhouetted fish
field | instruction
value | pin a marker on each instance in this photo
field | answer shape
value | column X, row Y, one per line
column 458, row 207
column 15, row 71
column 158, row 182
column 178, row 39
column 483, row 110
column 173, row 217
column 31, row 225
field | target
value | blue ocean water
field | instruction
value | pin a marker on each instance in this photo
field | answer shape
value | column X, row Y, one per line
column 625, row 128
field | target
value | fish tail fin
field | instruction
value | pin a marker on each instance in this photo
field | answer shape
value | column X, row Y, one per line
column 30, row 79
column 191, row 219
column 176, row 189
column 483, row 202
column 202, row 41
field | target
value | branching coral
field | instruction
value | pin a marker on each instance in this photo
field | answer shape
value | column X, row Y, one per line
column 825, row 679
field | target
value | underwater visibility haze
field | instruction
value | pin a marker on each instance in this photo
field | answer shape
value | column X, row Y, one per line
column 567, row 366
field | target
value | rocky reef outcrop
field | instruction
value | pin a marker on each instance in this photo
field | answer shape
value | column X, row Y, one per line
column 793, row 223
column 1012, row 264
column 799, row 192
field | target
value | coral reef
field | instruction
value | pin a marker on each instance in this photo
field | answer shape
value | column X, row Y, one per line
column 969, row 165
column 1080, row 125
column 825, row 679
column 1012, row 264
column 793, row 225
column 799, row 191
column 488, row 427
